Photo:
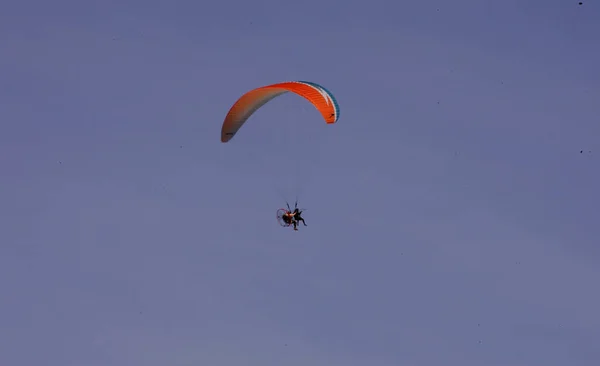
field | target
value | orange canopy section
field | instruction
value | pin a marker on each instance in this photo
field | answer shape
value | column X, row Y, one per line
column 250, row 102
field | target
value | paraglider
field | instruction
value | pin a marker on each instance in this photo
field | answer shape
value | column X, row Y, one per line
column 321, row 98
column 287, row 218
column 247, row 104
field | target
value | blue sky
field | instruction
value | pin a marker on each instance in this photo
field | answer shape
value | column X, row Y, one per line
column 451, row 216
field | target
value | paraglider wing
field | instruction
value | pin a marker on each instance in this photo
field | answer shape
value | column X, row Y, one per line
column 320, row 97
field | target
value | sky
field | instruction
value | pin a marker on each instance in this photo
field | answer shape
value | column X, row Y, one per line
column 452, row 210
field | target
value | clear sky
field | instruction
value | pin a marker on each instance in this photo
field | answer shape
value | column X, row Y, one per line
column 452, row 211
